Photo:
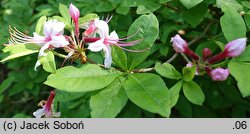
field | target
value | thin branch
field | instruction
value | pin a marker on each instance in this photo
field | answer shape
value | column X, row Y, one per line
column 193, row 41
column 144, row 70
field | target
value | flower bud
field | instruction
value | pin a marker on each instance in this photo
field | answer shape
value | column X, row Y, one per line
column 74, row 12
column 179, row 44
column 235, row 47
column 219, row 74
column 206, row 53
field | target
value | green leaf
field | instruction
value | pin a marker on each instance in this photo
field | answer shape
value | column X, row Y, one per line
column 247, row 19
column 122, row 10
column 85, row 19
column 64, row 11
column 236, row 28
column 193, row 92
column 174, row 93
column 167, row 70
column 148, row 27
column 229, row 3
column 64, row 96
column 6, row 84
column 48, row 62
column 149, row 92
column 40, row 25
column 241, row 72
column 119, row 57
column 194, row 15
column 245, row 56
column 148, row 7
column 190, row 3
column 86, row 78
column 15, row 51
column 108, row 102
column 188, row 73
column 246, row 4
column 164, row 1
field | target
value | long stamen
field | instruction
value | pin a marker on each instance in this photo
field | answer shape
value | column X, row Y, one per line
column 130, row 36
column 121, row 43
column 129, row 50
column 109, row 18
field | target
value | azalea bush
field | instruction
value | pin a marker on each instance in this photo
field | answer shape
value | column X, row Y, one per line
column 125, row 58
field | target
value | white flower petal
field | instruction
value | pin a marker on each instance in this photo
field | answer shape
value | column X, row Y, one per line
column 53, row 27
column 108, row 56
column 103, row 29
column 39, row 39
column 96, row 46
column 39, row 113
column 58, row 41
column 41, row 52
column 37, row 65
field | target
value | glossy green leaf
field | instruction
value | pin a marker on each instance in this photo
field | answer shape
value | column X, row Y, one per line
column 245, row 56
column 236, row 28
column 64, row 96
column 174, row 93
column 167, row 70
column 230, row 3
column 19, row 50
column 190, row 3
column 48, row 62
column 148, row 27
column 246, row 4
column 247, row 19
column 193, row 92
column 40, row 24
column 241, row 72
column 148, row 7
column 188, row 73
column 64, row 11
column 194, row 15
column 119, row 57
column 108, row 102
column 149, row 92
column 86, row 78
column 122, row 10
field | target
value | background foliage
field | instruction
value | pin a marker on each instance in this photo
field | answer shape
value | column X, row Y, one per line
column 209, row 23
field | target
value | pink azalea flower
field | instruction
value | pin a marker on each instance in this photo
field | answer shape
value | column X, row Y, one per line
column 53, row 37
column 235, row 47
column 232, row 49
column 75, row 14
column 179, row 44
column 47, row 108
column 218, row 74
column 105, row 40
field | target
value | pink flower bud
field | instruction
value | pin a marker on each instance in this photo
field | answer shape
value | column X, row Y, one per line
column 179, row 44
column 219, row 74
column 235, row 47
column 206, row 53
column 74, row 12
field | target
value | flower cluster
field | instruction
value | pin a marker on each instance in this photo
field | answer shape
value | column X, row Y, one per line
column 95, row 38
column 205, row 64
